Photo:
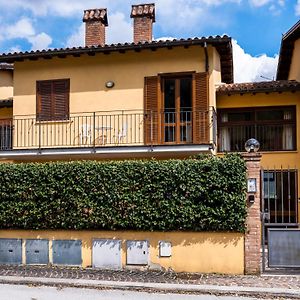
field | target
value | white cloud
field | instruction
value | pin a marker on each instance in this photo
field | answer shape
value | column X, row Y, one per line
column 275, row 10
column 174, row 13
column 113, row 32
column 23, row 29
column 15, row 49
column 76, row 39
column 120, row 29
column 248, row 68
column 67, row 8
column 297, row 8
column 259, row 3
column 40, row 41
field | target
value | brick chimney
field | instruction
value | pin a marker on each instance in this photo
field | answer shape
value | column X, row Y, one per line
column 95, row 23
column 144, row 17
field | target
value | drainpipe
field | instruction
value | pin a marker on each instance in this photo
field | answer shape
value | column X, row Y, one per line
column 206, row 57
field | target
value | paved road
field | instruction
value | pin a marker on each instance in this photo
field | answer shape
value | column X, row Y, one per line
column 21, row 292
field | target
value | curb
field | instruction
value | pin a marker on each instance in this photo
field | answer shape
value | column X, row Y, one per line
column 154, row 287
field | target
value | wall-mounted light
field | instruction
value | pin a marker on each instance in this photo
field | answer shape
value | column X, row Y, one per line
column 252, row 145
column 109, row 84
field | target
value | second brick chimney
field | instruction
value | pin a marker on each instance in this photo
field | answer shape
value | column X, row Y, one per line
column 144, row 17
column 95, row 23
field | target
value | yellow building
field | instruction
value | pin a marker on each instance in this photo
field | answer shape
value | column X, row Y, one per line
column 145, row 99
column 269, row 112
column 160, row 99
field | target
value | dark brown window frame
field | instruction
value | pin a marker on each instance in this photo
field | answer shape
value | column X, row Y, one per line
column 256, row 122
column 154, row 108
column 66, row 114
column 176, row 76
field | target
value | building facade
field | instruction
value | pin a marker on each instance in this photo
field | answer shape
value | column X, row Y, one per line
column 162, row 99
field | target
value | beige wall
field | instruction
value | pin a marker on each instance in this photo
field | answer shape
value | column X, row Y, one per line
column 191, row 251
column 6, row 84
column 295, row 64
column 89, row 74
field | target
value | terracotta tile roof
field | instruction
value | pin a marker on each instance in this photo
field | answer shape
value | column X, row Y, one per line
column 222, row 44
column 143, row 10
column 259, row 87
column 6, row 66
column 97, row 14
column 286, row 51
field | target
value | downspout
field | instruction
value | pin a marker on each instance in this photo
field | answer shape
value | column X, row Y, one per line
column 206, row 58
column 212, row 146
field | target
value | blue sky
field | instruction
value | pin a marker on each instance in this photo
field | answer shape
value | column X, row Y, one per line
column 255, row 25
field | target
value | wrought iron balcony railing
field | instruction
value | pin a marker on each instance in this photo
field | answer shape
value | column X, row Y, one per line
column 109, row 129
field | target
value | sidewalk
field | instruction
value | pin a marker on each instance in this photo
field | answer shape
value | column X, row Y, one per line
column 266, row 286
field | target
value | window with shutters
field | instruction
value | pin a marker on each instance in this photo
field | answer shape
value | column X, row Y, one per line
column 53, row 100
column 177, row 109
column 177, row 99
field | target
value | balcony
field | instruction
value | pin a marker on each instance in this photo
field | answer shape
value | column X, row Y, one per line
column 108, row 132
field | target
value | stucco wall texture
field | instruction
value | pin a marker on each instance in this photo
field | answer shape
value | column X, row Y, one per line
column 191, row 251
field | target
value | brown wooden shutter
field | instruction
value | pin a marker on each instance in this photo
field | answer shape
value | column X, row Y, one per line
column 53, row 100
column 151, row 106
column 200, row 109
column 44, row 96
column 61, row 91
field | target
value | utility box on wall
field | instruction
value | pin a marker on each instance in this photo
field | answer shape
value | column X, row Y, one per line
column 107, row 254
column 137, row 252
column 11, row 251
column 67, row 252
column 165, row 249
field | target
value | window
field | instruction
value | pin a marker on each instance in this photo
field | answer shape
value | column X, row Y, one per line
column 6, row 134
column 273, row 127
column 176, row 108
column 53, row 100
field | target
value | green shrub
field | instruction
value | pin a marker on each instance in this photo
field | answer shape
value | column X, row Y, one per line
column 200, row 194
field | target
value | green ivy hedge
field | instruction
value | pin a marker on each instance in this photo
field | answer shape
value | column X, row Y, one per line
column 199, row 194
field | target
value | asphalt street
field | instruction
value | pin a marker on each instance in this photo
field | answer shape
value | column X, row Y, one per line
column 22, row 292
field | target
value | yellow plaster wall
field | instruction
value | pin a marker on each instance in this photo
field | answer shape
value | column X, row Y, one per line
column 88, row 76
column 6, row 84
column 191, row 251
column 295, row 64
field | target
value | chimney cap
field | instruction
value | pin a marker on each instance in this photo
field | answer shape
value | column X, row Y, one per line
column 143, row 10
column 96, row 14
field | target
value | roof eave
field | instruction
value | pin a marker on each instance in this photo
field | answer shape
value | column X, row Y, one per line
column 221, row 44
column 285, row 60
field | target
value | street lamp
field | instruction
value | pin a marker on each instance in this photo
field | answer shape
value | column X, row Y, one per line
column 252, row 145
